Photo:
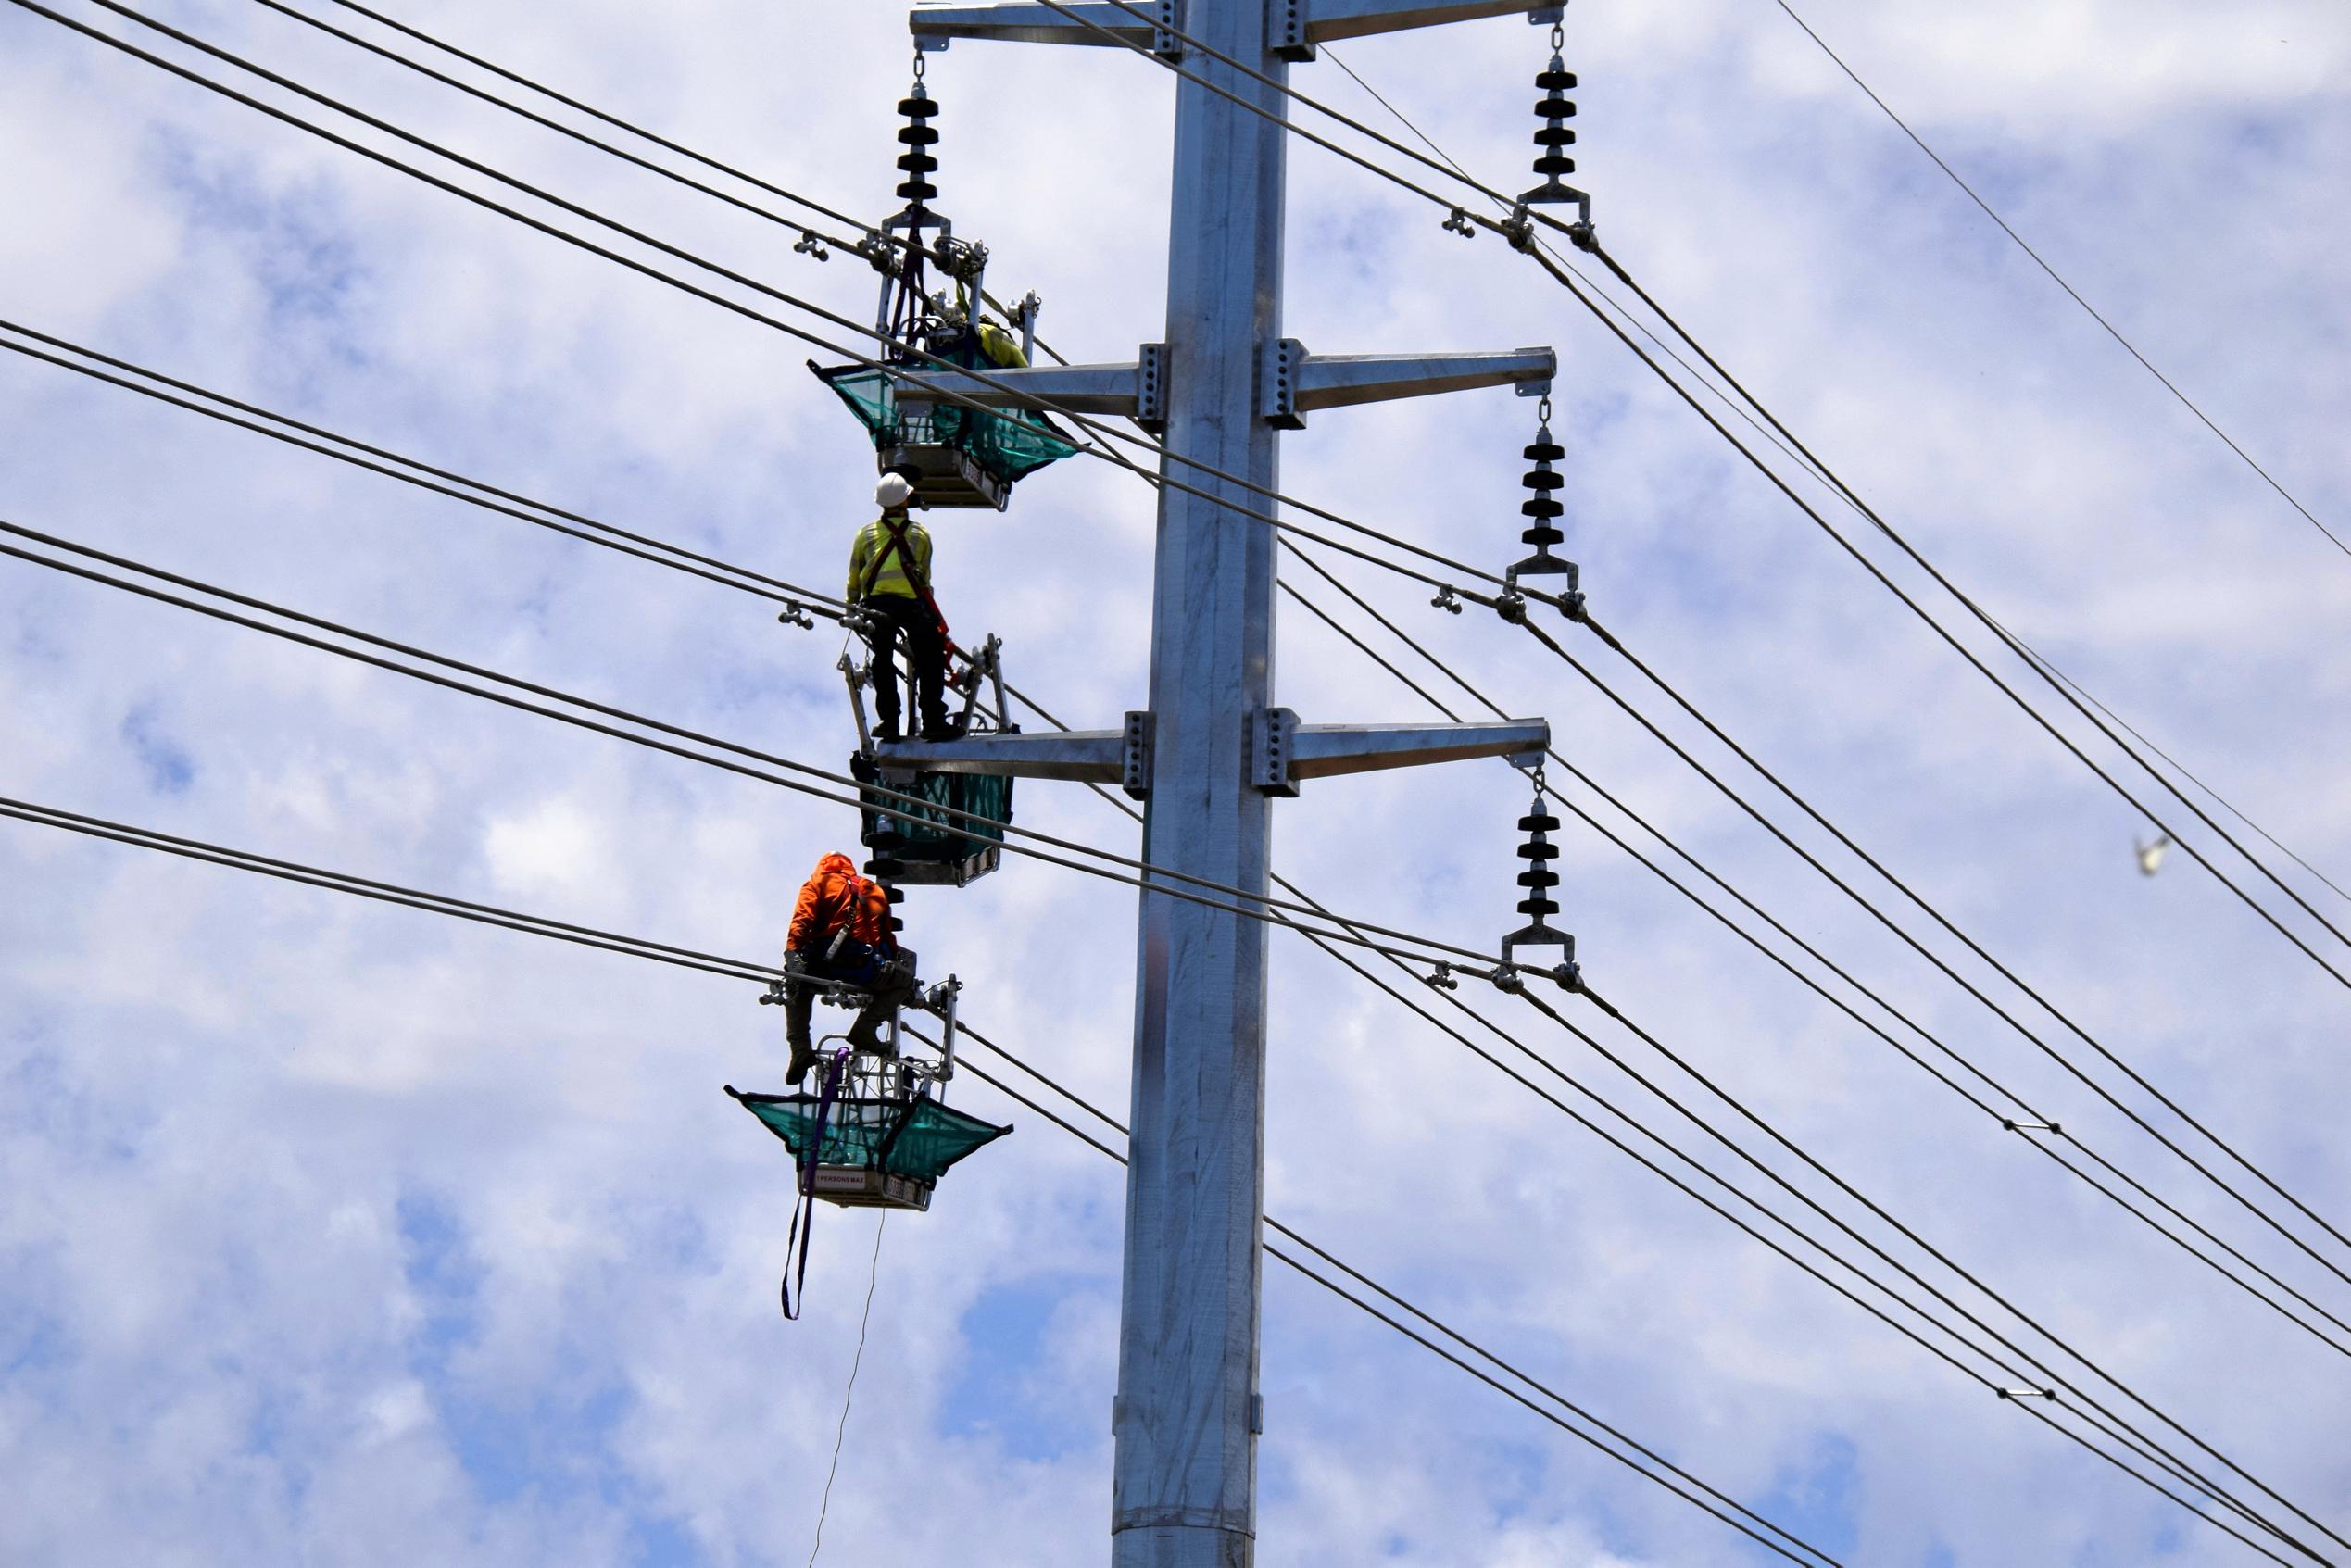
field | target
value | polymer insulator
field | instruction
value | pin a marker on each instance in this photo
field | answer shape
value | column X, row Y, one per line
column 1554, row 111
column 1541, row 508
column 918, row 136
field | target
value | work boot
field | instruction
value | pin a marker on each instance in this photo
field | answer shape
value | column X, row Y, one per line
column 885, row 733
column 865, row 1034
column 803, row 1058
column 939, row 727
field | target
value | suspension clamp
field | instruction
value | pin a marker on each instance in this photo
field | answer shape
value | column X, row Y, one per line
column 1519, row 229
column 810, row 245
column 1583, row 236
column 1445, row 600
column 1568, row 976
column 878, row 252
column 1459, row 223
column 1511, row 605
column 796, row 614
column 1507, row 979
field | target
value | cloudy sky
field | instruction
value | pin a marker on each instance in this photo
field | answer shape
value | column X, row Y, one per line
column 341, row 1234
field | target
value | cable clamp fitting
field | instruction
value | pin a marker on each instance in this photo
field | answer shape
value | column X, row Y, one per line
column 1446, row 601
column 1511, row 605
column 1567, row 976
column 2020, row 1394
column 1519, row 229
column 796, row 614
column 2015, row 1126
column 810, row 245
column 1507, row 979
column 1459, row 223
column 1583, row 236
column 1441, row 978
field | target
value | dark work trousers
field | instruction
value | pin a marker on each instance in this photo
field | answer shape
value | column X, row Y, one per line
column 902, row 621
column 859, row 965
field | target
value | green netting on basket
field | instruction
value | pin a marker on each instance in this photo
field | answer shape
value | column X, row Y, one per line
column 935, row 836
column 919, row 1139
column 1006, row 444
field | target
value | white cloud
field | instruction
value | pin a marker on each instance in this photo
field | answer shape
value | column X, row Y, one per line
column 336, row 1232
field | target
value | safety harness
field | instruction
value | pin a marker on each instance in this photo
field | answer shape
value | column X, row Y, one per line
column 899, row 547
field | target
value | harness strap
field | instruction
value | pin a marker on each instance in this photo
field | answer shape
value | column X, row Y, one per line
column 899, row 547
column 804, row 1210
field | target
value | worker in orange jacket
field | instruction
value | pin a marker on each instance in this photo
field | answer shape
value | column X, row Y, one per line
column 841, row 930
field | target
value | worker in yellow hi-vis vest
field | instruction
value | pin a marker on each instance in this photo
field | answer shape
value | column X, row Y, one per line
column 889, row 579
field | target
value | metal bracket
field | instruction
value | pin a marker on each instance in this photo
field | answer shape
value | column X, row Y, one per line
column 1135, row 764
column 1270, row 733
column 1547, row 16
column 1164, row 43
column 1277, row 365
column 1257, row 1414
column 1286, row 31
column 1150, row 388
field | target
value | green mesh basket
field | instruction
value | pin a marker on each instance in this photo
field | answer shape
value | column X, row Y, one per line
column 933, row 834
column 1007, row 446
column 919, row 1138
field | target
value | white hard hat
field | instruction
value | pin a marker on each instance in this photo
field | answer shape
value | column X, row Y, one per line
column 893, row 492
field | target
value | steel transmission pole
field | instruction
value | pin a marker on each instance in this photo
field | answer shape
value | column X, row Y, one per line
column 1184, row 1493
column 1212, row 752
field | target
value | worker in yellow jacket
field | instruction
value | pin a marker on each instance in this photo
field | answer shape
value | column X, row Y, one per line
column 889, row 579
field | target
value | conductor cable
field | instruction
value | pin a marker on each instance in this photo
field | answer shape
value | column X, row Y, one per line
column 748, row 970
column 2030, row 1114
column 922, row 380
column 913, row 808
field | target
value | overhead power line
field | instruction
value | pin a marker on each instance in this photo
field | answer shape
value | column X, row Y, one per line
column 2071, row 292
column 387, row 664
column 1524, row 239
column 739, row 969
column 1681, row 1484
column 2030, row 659
column 1976, row 992
column 870, row 797
column 1778, row 435
column 1910, row 1234
column 1083, row 422
column 2017, row 1124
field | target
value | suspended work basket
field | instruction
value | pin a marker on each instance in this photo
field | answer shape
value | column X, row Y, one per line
column 936, row 849
column 954, row 456
column 878, row 1153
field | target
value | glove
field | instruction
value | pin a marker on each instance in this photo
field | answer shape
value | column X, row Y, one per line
column 795, row 963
